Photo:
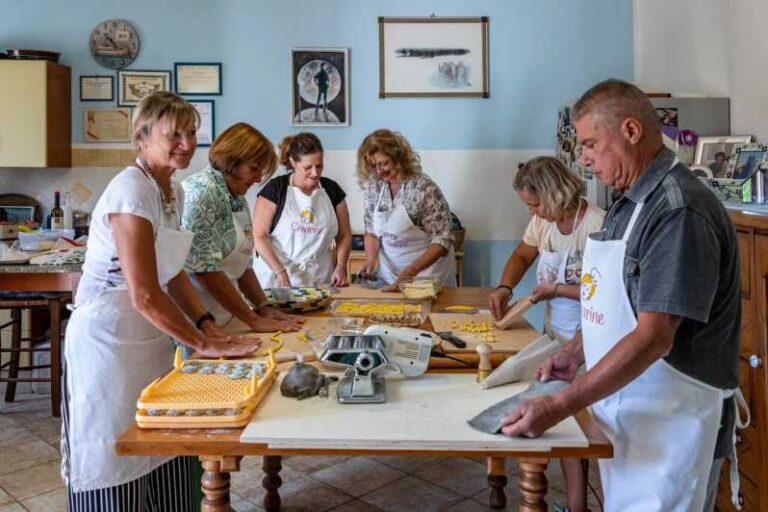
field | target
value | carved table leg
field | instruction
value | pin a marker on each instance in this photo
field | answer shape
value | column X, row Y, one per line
column 215, row 482
column 497, row 480
column 272, row 482
column 533, row 485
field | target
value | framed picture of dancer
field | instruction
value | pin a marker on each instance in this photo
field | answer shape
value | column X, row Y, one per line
column 320, row 87
column 433, row 57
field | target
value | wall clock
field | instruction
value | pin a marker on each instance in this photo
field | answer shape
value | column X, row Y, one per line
column 114, row 43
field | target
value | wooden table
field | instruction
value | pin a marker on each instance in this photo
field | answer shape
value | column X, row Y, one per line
column 221, row 451
column 39, row 278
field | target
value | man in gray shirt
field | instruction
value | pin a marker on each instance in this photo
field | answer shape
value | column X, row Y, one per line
column 660, row 316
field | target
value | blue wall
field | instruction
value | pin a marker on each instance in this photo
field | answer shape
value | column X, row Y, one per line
column 542, row 54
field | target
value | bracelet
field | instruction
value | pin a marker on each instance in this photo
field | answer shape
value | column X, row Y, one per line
column 342, row 268
column 557, row 285
column 262, row 305
column 282, row 271
column 505, row 287
column 205, row 316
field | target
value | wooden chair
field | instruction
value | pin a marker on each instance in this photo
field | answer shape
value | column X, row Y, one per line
column 17, row 303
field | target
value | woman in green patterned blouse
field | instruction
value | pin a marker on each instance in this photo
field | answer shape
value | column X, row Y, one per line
column 221, row 257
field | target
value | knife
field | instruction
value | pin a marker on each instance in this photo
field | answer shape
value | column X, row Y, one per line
column 452, row 339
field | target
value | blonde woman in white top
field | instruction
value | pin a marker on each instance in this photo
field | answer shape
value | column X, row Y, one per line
column 556, row 235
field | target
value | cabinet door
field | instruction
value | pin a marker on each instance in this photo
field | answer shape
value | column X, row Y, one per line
column 23, row 106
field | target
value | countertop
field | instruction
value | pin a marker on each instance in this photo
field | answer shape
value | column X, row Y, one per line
column 748, row 208
column 39, row 269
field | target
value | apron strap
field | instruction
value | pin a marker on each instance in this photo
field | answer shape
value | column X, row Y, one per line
column 741, row 404
column 632, row 221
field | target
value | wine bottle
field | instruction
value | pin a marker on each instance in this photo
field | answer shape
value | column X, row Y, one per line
column 67, row 209
column 57, row 214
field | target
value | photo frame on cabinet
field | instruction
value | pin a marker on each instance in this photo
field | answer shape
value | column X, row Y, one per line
column 198, row 78
column 97, row 88
column 320, row 87
column 433, row 57
column 133, row 86
column 206, row 132
column 715, row 153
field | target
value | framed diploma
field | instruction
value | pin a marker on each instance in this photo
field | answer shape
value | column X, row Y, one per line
column 134, row 86
column 206, row 132
column 198, row 79
column 97, row 88
column 107, row 124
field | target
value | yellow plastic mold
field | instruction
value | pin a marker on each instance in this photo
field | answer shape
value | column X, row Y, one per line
column 183, row 391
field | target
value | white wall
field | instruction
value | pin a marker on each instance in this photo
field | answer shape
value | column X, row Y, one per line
column 713, row 47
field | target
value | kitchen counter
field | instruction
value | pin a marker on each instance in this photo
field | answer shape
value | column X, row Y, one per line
column 39, row 269
column 747, row 208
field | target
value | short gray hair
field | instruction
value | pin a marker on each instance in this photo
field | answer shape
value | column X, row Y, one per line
column 158, row 104
column 558, row 189
column 612, row 101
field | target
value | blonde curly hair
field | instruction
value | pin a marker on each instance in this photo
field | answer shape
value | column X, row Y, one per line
column 405, row 160
column 558, row 188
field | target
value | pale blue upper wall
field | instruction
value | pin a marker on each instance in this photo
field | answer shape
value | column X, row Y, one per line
column 542, row 54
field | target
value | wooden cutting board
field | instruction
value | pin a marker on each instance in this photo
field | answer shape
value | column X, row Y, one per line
column 358, row 291
column 511, row 340
column 316, row 328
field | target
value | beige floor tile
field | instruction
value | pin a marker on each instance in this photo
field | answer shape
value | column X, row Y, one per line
column 307, row 495
column 358, row 476
column 247, row 482
column 25, row 454
column 355, row 506
column 243, row 505
column 33, row 481
column 411, row 493
column 48, row 502
column 468, row 506
column 313, row 463
column 5, row 498
column 409, row 464
column 511, row 491
column 13, row 433
column 462, row 476
column 15, row 507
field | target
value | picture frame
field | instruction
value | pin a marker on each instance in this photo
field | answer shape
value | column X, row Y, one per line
column 716, row 152
column 320, row 76
column 135, row 85
column 97, row 88
column 206, row 132
column 107, row 124
column 433, row 57
column 198, row 78
column 747, row 160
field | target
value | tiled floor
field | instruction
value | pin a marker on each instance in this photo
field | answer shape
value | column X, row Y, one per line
column 30, row 480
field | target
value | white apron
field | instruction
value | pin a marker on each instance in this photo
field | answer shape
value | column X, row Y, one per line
column 563, row 315
column 303, row 239
column 112, row 354
column 664, row 424
column 402, row 242
column 233, row 266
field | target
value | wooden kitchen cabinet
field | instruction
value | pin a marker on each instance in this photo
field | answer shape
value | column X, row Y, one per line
column 752, row 442
column 35, row 114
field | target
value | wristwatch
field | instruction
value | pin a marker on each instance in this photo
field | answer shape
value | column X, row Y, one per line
column 205, row 316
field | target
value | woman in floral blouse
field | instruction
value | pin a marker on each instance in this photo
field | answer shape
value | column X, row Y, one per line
column 407, row 219
column 221, row 257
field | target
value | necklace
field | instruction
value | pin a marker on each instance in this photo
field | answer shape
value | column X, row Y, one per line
column 168, row 202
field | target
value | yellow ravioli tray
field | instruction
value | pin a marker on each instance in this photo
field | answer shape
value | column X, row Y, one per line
column 406, row 313
column 213, row 400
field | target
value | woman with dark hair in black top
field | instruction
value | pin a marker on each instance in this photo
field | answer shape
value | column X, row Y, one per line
column 297, row 219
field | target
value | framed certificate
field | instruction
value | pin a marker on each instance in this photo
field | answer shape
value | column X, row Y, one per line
column 206, row 132
column 198, row 79
column 107, row 124
column 134, row 86
column 97, row 88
